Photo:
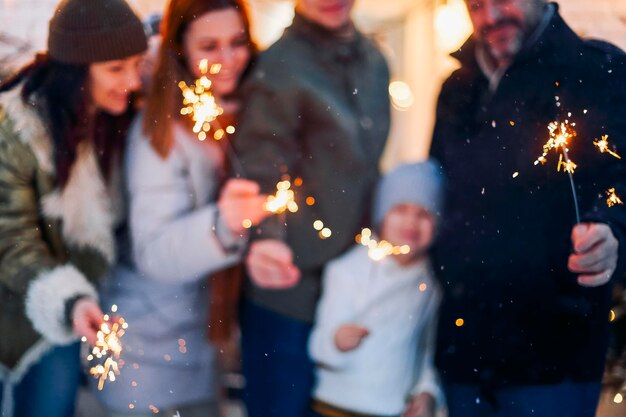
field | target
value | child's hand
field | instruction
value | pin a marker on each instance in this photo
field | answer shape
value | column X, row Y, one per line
column 421, row 405
column 350, row 336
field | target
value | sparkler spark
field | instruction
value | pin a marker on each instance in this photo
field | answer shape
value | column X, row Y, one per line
column 560, row 135
column 379, row 250
column 200, row 104
column 612, row 199
column 108, row 347
column 283, row 200
column 568, row 165
column 603, row 146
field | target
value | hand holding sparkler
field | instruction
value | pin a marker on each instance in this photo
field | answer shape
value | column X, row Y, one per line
column 270, row 264
column 595, row 254
column 240, row 204
column 107, row 346
column 86, row 319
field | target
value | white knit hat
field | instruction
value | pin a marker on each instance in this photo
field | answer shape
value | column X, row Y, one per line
column 420, row 183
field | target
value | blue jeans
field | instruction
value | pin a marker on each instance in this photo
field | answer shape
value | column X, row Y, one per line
column 567, row 399
column 276, row 365
column 49, row 386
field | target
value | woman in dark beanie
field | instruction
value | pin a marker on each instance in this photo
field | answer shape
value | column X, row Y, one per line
column 63, row 120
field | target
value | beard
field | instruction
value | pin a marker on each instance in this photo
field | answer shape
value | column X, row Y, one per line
column 503, row 49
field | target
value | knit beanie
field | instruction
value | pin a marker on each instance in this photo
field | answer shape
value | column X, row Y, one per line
column 88, row 31
column 420, row 184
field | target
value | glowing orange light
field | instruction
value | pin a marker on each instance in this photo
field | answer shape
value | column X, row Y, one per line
column 379, row 250
column 283, row 200
column 612, row 198
column 199, row 103
column 108, row 347
column 603, row 146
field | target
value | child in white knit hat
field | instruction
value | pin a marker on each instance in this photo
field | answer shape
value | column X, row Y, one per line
column 373, row 338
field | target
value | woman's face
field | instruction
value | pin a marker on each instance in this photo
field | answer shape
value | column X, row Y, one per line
column 220, row 38
column 112, row 82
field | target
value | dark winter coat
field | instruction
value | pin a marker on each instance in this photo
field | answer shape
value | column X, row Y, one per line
column 505, row 239
column 316, row 107
column 54, row 244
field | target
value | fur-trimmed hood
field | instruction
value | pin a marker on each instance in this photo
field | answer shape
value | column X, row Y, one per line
column 87, row 207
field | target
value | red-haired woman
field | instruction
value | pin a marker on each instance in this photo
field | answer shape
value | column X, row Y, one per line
column 182, row 227
column 63, row 120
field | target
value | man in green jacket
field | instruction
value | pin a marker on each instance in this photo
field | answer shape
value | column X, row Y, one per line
column 316, row 109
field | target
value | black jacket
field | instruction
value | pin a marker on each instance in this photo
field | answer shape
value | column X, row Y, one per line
column 505, row 240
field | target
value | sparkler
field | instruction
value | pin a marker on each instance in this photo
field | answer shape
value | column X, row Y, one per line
column 283, row 200
column 200, row 104
column 560, row 135
column 108, row 347
column 379, row 250
column 612, row 198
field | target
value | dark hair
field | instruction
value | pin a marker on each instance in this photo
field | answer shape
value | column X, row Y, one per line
column 62, row 93
column 163, row 96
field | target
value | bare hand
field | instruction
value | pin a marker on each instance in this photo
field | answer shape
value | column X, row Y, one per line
column 595, row 254
column 350, row 336
column 421, row 405
column 270, row 264
column 87, row 318
column 240, row 200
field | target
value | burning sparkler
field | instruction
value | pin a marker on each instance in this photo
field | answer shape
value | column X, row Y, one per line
column 560, row 135
column 283, row 200
column 108, row 347
column 612, row 198
column 603, row 146
column 200, row 104
column 380, row 250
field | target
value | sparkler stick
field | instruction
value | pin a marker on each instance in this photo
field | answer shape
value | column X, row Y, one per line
column 108, row 347
column 569, row 168
column 235, row 162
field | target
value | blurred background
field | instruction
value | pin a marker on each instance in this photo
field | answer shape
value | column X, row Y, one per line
column 416, row 36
